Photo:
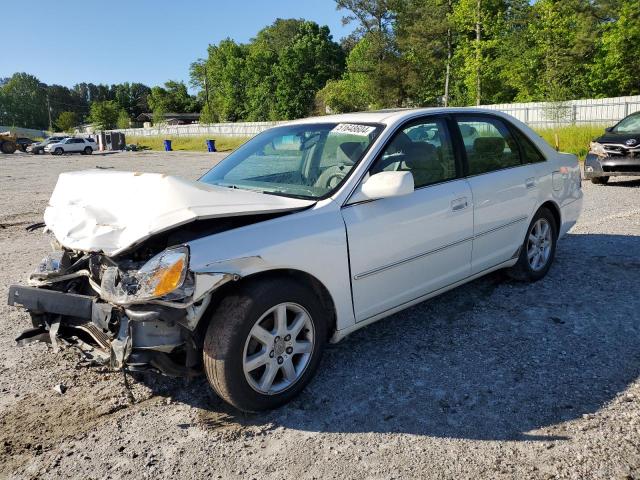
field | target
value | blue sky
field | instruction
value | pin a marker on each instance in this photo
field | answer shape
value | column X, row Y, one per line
column 149, row 41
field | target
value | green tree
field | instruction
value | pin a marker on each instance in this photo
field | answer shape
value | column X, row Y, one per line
column 66, row 121
column 357, row 89
column 426, row 38
column 224, row 68
column 304, row 66
column 24, row 102
column 616, row 65
column 63, row 99
column 173, row 97
column 124, row 120
column 377, row 55
column 132, row 97
column 276, row 76
column 554, row 52
column 104, row 114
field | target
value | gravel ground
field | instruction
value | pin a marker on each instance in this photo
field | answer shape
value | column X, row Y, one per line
column 492, row 380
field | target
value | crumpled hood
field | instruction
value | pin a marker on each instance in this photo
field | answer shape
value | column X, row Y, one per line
column 110, row 211
column 619, row 138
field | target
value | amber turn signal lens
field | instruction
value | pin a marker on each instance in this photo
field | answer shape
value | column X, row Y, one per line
column 169, row 278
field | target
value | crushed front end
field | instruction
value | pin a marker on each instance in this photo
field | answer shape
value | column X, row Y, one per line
column 612, row 158
column 139, row 310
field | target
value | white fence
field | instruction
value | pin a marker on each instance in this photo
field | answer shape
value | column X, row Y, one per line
column 536, row 114
column 573, row 112
column 240, row 129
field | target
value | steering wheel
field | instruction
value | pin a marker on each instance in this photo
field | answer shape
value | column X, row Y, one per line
column 332, row 176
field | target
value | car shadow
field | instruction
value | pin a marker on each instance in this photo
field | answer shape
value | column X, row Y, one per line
column 623, row 182
column 491, row 360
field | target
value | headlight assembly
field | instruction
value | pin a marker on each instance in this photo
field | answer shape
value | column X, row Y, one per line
column 597, row 149
column 162, row 276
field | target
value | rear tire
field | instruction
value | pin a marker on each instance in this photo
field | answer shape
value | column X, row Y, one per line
column 267, row 326
column 538, row 249
column 600, row 180
column 88, row 151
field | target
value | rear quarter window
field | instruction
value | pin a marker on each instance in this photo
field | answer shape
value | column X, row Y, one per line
column 530, row 153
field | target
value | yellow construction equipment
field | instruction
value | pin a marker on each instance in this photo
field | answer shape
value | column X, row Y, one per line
column 7, row 142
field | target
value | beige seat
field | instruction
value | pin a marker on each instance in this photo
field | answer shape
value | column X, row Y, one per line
column 487, row 154
column 423, row 161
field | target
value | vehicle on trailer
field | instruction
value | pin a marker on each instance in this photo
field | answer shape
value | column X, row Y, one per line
column 306, row 233
column 23, row 142
column 8, row 142
column 616, row 153
column 38, row 147
column 85, row 146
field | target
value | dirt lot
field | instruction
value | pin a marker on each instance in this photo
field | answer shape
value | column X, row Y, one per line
column 493, row 380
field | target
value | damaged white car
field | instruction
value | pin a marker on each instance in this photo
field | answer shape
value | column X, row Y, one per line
column 304, row 234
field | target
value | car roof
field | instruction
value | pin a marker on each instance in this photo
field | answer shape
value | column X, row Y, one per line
column 391, row 116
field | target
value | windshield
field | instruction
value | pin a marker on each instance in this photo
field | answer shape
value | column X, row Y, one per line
column 629, row 124
column 306, row 160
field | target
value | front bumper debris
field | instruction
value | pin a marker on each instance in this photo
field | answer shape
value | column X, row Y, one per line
column 141, row 337
column 611, row 166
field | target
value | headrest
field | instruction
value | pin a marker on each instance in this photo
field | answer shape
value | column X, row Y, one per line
column 400, row 142
column 420, row 155
column 348, row 152
column 488, row 145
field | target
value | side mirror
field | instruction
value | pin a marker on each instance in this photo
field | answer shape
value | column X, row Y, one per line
column 608, row 129
column 384, row 185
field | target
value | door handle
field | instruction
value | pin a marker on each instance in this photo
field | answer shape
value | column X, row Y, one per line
column 530, row 182
column 459, row 204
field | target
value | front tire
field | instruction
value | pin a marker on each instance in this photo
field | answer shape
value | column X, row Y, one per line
column 538, row 249
column 600, row 180
column 264, row 343
column 8, row 147
column 58, row 151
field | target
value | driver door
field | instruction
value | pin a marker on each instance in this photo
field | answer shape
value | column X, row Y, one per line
column 403, row 248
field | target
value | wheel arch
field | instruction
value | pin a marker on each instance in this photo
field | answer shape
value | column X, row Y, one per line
column 555, row 211
column 318, row 288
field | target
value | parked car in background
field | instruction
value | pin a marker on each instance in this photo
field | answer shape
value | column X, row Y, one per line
column 84, row 146
column 306, row 233
column 616, row 153
column 23, row 143
column 38, row 148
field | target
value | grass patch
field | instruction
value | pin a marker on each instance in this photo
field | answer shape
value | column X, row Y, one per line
column 194, row 144
column 572, row 138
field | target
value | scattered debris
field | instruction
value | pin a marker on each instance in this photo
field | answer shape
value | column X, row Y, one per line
column 61, row 388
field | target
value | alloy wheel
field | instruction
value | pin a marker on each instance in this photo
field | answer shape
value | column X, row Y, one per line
column 539, row 245
column 278, row 348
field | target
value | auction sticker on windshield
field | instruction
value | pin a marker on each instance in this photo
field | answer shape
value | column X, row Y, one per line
column 353, row 129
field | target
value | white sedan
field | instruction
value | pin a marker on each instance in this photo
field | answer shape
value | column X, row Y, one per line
column 85, row 146
column 306, row 233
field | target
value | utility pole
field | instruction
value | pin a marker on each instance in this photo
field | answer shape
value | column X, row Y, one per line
column 478, row 53
column 206, row 88
column 449, row 55
column 49, row 112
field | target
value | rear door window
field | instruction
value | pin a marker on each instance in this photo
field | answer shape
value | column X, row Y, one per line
column 488, row 143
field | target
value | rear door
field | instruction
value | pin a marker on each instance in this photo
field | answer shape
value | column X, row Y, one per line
column 74, row 145
column 504, row 188
column 402, row 248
